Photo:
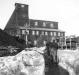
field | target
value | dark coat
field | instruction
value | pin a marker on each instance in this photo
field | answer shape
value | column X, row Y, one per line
column 52, row 45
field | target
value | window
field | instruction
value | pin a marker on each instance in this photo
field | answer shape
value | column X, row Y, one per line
column 44, row 24
column 35, row 42
column 46, row 33
column 36, row 23
column 27, row 31
column 51, row 33
column 23, row 31
column 51, row 25
column 58, row 33
column 22, row 6
column 37, row 32
column 33, row 32
column 54, row 33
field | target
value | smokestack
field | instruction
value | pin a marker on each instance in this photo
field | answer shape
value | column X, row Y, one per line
column 22, row 16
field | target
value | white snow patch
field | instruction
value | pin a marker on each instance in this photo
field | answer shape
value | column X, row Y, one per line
column 69, row 60
column 25, row 63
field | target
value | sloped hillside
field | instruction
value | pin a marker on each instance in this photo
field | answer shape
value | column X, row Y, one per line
column 8, row 40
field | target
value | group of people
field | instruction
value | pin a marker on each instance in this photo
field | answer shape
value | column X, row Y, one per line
column 51, row 48
column 50, row 56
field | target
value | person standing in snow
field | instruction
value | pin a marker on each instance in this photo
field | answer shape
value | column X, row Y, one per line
column 52, row 48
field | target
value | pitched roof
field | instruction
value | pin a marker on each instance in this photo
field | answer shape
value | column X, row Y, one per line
column 19, row 17
column 12, row 22
column 8, row 40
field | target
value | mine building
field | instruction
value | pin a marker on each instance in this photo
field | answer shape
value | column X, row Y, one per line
column 72, row 42
column 37, row 31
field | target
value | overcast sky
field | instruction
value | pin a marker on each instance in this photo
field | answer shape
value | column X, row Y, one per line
column 66, row 12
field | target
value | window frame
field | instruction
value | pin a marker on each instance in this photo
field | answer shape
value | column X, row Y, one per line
column 52, row 25
column 51, row 33
column 36, row 23
column 33, row 32
column 46, row 33
column 37, row 32
column 44, row 24
column 59, row 34
column 54, row 33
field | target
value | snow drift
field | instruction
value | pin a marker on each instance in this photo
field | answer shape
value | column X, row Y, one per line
column 24, row 63
column 31, row 62
column 69, row 60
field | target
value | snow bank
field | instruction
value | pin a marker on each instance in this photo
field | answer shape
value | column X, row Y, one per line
column 24, row 63
column 69, row 60
column 31, row 62
column 40, row 49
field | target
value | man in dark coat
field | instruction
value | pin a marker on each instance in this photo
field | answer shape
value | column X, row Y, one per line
column 52, row 48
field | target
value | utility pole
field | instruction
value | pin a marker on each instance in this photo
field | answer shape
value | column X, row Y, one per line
column 26, row 36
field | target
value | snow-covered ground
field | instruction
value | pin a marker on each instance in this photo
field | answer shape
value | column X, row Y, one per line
column 31, row 62
column 24, row 63
column 69, row 60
